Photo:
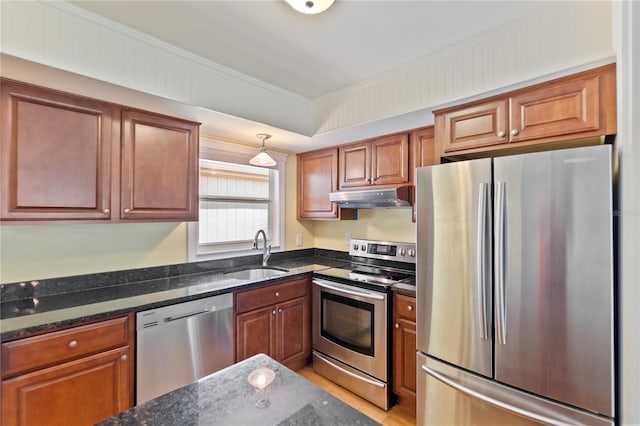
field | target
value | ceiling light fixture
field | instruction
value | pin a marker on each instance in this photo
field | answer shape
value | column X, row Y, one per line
column 262, row 158
column 310, row 7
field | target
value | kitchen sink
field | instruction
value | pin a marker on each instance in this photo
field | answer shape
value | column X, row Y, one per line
column 256, row 272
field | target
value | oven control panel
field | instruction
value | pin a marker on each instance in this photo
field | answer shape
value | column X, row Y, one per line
column 402, row 252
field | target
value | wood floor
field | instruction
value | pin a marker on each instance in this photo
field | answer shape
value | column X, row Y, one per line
column 396, row 416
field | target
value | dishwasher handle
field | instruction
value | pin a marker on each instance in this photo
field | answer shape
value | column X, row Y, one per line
column 166, row 315
column 192, row 314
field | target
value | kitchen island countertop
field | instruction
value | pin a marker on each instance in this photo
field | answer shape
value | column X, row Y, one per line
column 226, row 398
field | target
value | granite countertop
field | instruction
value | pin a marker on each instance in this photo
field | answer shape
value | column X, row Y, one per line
column 38, row 306
column 226, row 398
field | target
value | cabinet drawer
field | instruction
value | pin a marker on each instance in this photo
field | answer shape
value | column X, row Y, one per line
column 40, row 351
column 265, row 296
column 404, row 307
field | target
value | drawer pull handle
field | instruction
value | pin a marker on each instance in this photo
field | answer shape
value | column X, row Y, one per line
column 410, row 308
column 277, row 294
column 73, row 343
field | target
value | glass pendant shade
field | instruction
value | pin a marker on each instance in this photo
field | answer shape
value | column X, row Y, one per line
column 310, row 7
column 262, row 158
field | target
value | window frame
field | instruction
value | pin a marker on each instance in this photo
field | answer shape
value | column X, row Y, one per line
column 218, row 150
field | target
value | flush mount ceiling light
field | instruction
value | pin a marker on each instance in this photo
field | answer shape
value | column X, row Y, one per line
column 310, row 7
column 263, row 159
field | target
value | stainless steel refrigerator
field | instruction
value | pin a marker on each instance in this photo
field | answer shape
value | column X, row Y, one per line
column 515, row 290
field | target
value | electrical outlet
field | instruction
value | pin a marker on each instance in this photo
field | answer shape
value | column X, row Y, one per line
column 347, row 238
column 298, row 240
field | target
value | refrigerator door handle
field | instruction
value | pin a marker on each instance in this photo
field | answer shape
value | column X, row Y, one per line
column 501, row 318
column 474, row 394
column 481, row 261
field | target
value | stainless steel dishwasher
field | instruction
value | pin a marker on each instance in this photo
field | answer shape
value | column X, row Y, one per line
column 178, row 344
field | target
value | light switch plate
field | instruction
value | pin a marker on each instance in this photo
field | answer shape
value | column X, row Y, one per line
column 299, row 240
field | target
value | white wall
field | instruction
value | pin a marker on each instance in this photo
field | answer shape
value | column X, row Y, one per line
column 61, row 35
column 561, row 36
column 627, row 27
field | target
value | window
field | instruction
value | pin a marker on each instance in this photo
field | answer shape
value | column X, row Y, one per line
column 236, row 200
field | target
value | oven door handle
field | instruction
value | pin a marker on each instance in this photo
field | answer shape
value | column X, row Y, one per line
column 329, row 285
column 345, row 371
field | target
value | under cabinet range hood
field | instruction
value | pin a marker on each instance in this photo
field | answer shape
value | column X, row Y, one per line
column 398, row 197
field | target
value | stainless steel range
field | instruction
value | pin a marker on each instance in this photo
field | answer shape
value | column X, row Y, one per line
column 351, row 313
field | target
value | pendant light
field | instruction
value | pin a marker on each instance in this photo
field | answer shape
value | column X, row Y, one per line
column 310, row 7
column 262, row 158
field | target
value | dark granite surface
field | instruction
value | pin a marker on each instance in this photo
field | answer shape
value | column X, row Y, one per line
column 227, row 398
column 38, row 306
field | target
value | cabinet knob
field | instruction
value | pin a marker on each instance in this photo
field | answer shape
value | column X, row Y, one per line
column 105, row 211
column 410, row 308
column 501, row 134
column 280, row 310
column 274, row 312
column 277, row 294
column 127, row 210
column 124, row 357
column 73, row 343
column 514, row 132
column 397, row 325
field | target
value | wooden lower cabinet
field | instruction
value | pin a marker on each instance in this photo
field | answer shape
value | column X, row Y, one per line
column 281, row 330
column 404, row 349
column 91, row 384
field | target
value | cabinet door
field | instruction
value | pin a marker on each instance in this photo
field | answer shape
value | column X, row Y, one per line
column 294, row 333
column 255, row 333
column 159, row 167
column 317, row 177
column 404, row 359
column 80, row 392
column 390, row 160
column 557, row 109
column 355, row 165
column 475, row 126
column 55, row 155
column 424, row 153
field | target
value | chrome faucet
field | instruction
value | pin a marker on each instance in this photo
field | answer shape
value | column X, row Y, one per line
column 267, row 250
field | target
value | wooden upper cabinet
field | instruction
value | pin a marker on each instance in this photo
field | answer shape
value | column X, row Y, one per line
column 560, row 109
column 474, row 126
column 423, row 147
column 382, row 161
column 317, row 177
column 55, row 155
column 578, row 106
column 355, row 165
column 71, row 158
column 390, row 160
column 159, row 167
